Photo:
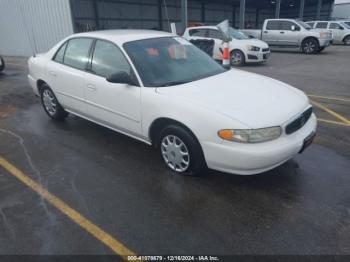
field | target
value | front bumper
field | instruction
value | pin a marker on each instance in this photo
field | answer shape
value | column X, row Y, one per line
column 250, row 159
column 325, row 42
column 257, row 57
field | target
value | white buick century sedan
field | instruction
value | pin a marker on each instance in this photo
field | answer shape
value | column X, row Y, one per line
column 160, row 89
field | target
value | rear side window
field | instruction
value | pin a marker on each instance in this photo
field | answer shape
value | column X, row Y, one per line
column 77, row 53
column 335, row 26
column 197, row 32
column 321, row 25
column 272, row 25
column 60, row 53
column 214, row 34
column 108, row 59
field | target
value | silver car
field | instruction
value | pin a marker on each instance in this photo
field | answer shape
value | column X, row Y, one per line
column 340, row 30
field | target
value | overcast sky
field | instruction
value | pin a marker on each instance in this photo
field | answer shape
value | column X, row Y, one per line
column 342, row 1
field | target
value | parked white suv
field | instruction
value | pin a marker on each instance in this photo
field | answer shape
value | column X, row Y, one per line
column 242, row 48
column 340, row 30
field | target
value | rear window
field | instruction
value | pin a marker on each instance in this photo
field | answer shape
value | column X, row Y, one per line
column 321, row 25
column 272, row 25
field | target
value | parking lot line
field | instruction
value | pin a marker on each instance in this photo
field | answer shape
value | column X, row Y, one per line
column 331, row 98
column 332, row 122
column 72, row 214
column 335, row 114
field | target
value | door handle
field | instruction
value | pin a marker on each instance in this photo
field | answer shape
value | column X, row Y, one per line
column 91, row 87
column 52, row 73
column 281, row 32
column 266, row 32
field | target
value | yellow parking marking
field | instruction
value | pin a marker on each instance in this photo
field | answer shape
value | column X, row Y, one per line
column 332, row 122
column 75, row 216
column 329, row 111
column 331, row 98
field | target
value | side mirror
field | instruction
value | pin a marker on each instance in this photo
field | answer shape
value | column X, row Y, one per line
column 293, row 28
column 121, row 77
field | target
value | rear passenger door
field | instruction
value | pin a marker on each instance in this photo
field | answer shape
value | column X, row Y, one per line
column 271, row 32
column 113, row 104
column 337, row 31
column 67, row 72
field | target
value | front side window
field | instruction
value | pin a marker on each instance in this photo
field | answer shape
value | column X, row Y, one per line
column 216, row 34
column 169, row 61
column 77, row 53
column 197, row 32
column 321, row 25
column 108, row 59
column 335, row 26
column 287, row 26
column 272, row 25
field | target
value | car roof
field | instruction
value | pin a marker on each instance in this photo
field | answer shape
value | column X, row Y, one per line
column 203, row 27
column 122, row 36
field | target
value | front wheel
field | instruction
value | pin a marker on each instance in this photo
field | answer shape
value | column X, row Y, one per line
column 50, row 104
column 2, row 64
column 237, row 58
column 347, row 40
column 181, row 151
column 310, row 46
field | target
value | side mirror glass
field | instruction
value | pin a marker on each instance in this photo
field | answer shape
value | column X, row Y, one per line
column 121, row 77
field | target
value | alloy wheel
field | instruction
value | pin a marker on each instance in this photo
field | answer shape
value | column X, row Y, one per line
column 309, row 47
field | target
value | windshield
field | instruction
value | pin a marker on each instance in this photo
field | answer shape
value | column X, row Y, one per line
column 170, row 61
column 237, row 34
column 345, row 24
column 304, row 25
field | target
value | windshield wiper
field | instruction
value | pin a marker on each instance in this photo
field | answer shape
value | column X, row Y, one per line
column 174, row 83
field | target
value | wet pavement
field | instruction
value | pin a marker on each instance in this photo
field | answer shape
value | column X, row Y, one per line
column 121, row 185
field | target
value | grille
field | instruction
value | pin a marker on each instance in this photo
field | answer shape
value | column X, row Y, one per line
column 299, row 122
column 266, row 49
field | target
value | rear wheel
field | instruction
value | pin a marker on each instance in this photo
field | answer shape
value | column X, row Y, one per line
column 237, row 58
column 2, row 64
column 310, row 46
column 50, row 104
column 321, row 49
column 181, row 151
column 347, row 40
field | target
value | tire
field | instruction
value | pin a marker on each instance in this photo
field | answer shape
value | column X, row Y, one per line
column 346, row 40
column 237, row 58
column 2, row 64
column 310, row 46
column 181, row 151
column 50, row 104
column 321, row 49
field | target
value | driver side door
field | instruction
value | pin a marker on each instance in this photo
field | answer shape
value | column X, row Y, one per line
column 115, row 105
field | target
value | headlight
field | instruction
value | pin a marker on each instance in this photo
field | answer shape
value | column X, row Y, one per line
column 253, row 48
column 250, row 135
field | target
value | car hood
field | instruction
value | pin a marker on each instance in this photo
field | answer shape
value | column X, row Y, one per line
column 254, row 100
column 255, row 42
